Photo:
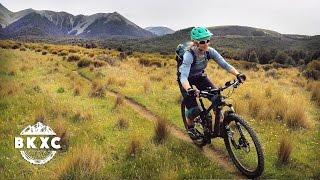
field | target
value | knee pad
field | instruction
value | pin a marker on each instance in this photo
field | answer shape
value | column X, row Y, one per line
column 193, row 112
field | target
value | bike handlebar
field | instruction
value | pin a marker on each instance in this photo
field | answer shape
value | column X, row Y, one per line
column 212, row 92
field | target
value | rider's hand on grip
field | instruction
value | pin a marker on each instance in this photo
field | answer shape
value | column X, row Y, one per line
column 241, row 77
column 193, row 92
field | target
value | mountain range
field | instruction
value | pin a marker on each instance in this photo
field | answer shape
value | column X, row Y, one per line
column 160, row 30
column 30, row 22
column 63, row 27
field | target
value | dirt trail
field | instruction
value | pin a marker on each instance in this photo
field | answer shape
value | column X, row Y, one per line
column 210, row 152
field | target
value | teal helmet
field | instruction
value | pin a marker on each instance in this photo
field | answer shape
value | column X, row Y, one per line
column 200, row 34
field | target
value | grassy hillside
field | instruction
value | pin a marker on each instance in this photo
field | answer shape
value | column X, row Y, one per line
column 67, row 88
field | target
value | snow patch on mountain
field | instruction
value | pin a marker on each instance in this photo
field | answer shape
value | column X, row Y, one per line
column 80, row 27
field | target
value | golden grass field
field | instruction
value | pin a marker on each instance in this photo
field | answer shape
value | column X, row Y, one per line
column 68, row 87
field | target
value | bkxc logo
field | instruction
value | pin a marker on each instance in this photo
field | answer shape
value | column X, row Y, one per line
column 37, row 143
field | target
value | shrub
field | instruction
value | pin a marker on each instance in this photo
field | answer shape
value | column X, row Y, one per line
column 60, row 90
column 281, row 57
column 73, row 50
column 253, row 57
column 73, row 57
column 312, row 70
column 84, row 63
column 246, row 65
column 98, row 63
column 110, row 60
column 22, row 49
column 63, row 53
column 149, row 62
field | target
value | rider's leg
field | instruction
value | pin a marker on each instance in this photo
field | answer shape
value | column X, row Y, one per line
column 190, row 114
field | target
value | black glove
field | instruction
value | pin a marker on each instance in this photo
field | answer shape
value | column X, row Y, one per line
column 193, row 92
column 241, row 77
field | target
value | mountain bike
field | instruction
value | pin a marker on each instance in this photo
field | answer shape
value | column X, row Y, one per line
column 240, row 140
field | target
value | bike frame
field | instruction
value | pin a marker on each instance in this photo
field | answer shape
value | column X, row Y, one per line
column 217, row 109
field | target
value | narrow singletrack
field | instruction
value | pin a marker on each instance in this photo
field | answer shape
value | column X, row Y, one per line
column 210, row 152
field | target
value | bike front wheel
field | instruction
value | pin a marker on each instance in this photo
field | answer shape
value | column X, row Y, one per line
column 243, row 146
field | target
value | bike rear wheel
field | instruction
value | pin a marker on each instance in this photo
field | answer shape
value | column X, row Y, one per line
column 201, row 141
column 243, row 146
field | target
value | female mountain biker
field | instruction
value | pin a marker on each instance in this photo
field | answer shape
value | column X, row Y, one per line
column 191, row 72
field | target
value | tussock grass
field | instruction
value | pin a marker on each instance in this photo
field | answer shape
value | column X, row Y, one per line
column 40, row 117
column 179, row 99
column 161, row 131
column 268, row 91
column 272, row 73
column 119, row 102
column 122, row 82
column 122, row 123
column 147, row 87
column 61, row 131
column 81, row 116
column 296, row 116
column 98, row 63
column 279, row 104
column 97, row 89
column 76, row 90
column 314, row 88
column 156, row 78
column 24, row 68
column 83, row 163
column 111, row 80
column 134, row 146
column 91, row 68
column 255, row 106
column 12, row 72
column 284, row 151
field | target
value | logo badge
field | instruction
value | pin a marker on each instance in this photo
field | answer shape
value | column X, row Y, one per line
column 37, row 143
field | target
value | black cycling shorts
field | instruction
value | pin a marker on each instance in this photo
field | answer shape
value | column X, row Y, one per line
column 201, row 82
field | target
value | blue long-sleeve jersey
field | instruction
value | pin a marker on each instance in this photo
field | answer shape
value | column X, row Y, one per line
column 187, row 69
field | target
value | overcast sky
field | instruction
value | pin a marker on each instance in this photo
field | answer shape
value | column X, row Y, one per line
column 284, row 16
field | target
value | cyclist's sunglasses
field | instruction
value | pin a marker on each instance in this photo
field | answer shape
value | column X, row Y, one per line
column 204, row 42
